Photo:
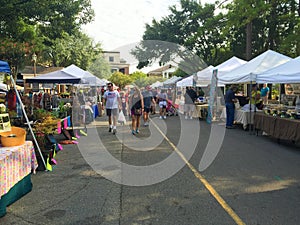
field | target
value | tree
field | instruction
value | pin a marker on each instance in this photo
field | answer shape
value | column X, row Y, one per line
column 51, row 17
column 15, row 53
column 255, row 26
column 137, row 75
column 189, row 36
column 38, row 23
column 76, row 49
column 120, row 79
column 100, row 68
column 139, row 78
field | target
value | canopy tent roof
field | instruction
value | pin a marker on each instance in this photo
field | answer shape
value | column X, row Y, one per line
column 229, row 65
column 288, row 72
column 4, row 67
column 156, row 84
column 71, row 74
column 204, row 76
column 56, row 77
column 85, row 76
column 248, row 71
column 92, row 80
column 172, row 80
column 100, row 82
column 186, row 82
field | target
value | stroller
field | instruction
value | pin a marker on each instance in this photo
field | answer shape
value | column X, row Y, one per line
column 172, row 109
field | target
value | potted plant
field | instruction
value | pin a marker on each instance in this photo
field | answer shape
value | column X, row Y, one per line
column 44, row 127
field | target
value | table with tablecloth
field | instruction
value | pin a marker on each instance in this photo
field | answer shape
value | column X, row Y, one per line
column 16, row 165
column 240, row 116
column 280, row 128
column 200, row 110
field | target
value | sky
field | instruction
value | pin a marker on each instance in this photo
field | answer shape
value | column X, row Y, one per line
column 122, row 22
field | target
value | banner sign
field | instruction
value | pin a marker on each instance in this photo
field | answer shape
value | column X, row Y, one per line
column 212, row 96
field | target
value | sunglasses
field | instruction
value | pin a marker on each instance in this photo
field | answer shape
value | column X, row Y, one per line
column 109, row 86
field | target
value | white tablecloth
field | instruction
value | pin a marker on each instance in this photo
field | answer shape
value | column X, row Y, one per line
column 240, row 116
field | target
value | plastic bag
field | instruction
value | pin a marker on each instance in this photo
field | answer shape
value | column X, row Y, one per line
column 121, row 118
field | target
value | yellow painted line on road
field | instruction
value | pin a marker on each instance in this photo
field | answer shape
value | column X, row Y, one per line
column 207, row 185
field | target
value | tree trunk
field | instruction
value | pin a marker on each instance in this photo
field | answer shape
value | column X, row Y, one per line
column 249, row 41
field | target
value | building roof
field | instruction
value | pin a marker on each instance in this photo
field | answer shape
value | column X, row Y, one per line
column 161, row 69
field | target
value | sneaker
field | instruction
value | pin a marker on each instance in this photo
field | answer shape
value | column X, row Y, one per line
column 132, row 132
column 191, row 118
column 186, row 117
column 114, row 131
column 146, row 124
column 137, row 131
column 165, row 117
column 160, row 117
column 109, row 129
column 229, row 127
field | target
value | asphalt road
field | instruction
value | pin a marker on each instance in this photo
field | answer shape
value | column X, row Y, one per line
column 252, row 180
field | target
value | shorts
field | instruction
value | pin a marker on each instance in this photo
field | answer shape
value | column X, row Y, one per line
column 147, row 109
column 162, row 104
column 113, row 112
column 133, row 112
column 189, row 107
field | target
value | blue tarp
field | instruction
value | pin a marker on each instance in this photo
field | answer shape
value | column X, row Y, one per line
column 4, row 67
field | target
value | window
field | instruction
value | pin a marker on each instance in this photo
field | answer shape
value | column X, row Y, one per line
column 111, row 58
column 114, row 70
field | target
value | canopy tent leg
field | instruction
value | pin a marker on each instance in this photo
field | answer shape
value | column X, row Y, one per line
column 27, row 120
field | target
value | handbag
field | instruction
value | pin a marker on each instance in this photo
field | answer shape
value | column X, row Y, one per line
column 137, row 111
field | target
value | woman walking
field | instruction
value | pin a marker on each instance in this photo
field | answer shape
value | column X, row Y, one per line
column 136, row 104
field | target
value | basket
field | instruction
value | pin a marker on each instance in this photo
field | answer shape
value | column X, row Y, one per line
column 15, row 137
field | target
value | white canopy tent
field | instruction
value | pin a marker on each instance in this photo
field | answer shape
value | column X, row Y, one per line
column 93, row 80
column 85, row 76
column 204, row 76
column 156, row 84
column 288, row 72
column 248, row 72
column 172, row 80
column 186, row 82
column 229, row 65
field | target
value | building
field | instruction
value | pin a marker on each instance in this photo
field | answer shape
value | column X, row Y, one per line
column 117, row 64
column 164, row 71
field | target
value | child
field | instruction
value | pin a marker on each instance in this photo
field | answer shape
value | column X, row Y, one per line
column 124, row 101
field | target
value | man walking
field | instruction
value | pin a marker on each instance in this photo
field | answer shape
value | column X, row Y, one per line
column 112, row 101
column 189, row 105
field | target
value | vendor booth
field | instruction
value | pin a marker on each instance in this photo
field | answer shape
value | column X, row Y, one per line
column 249, row 73
column 17, row 159
column 281, row 121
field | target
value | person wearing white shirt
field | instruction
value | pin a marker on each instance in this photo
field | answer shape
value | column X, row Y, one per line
column 112, row 102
